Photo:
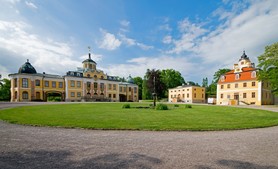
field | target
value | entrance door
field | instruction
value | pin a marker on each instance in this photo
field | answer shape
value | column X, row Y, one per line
column 236, row 96
column 38, row 95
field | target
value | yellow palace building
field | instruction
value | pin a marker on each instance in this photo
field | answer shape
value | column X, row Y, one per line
column 85, row 84
column 241, row 86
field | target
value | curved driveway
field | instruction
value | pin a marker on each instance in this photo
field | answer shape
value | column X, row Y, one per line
column 45, row 147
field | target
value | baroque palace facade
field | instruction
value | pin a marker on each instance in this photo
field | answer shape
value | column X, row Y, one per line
column 241, row 86
column 85, row 84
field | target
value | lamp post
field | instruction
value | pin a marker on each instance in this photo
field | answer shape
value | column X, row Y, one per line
column 154, row 94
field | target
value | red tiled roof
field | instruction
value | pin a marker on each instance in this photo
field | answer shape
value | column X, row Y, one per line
column 243, row 76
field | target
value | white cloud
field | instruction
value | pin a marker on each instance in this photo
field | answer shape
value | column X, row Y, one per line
column 31, row 5
column 165, row 27
column 167, row 39
column 17, row 45
column 138, row 66
column 251, row 29
column 144, row 47
column 125, row 23
column 109, row 41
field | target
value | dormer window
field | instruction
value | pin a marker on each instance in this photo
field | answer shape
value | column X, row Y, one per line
column 71, row 73
column 253, row 74
column 222, row 78
column 237, row 76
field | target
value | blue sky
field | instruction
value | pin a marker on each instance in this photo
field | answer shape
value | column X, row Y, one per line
column 195, row 37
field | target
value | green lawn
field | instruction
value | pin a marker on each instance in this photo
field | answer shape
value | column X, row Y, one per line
column 112, row 116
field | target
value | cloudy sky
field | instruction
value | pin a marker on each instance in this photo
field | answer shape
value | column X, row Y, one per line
column 195, row 37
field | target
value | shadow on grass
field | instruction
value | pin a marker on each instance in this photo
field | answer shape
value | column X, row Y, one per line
column 235, row 164
column 63, row 159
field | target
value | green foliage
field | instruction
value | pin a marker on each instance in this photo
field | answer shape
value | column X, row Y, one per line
column 112, row 116
column 191, row 83
column 188, row 106
column 5, row 90
column 154, row 83
column 171, row 78
column 268, row 64
column 205, row 82
column 146, row 94
column 139, row 81
column 126, row 106
column 161, row 106
column 176, row 105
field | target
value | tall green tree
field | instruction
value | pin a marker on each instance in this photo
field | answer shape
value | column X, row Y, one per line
column 218, row 73
column 154, row 82
column 5, row 92
column 205, row 82
column 268, row 64
column 139, row 81
column 171, row 78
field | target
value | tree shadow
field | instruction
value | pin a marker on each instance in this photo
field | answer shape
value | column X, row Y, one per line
column 235, row 164
column 63, row 159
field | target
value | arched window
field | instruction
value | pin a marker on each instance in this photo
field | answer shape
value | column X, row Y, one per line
column 222, row 78
column 253, row 74
column 24, row 95
column 237, row 76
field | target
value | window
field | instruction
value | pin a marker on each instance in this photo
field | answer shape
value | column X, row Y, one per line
column 253, row 74
column 78, row 84
column 236, row 85
column 110, row 86
column 72, row 94
column 228, row 86
column 101, row 77
column 15, row 82
column 221, row 96
column 244, row 84
column 182, row 95
column 121, row 89
column 72, row 84
column 237, row 76
column 244, row 95
column 109, row 95
column 15, row 95
column 129, row 89
column 135, row 89
column 24, row 95
column 38, row 82
column 114, row 86
column 95, row 85
column 60, row 84
column 187, row 89
column 222, row 78
column 228, row 96
column 202, row 95
column 253, row 83
column 54, row 84
column 187, row 95
column 46, row 84
column 101, row 86
column 78, row 94
column 222, row 86
column 95, row 77
column 114, row 95
column 89, row 85
column 194, row 95
column 25, row 83
column 253, row 94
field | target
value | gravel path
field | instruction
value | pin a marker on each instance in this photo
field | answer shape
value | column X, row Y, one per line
column 45, row 147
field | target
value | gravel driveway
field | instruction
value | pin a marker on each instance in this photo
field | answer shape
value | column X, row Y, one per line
column 45, row 147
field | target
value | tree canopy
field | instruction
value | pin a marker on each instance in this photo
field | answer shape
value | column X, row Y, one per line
column 171, row 78
column 5, row 86
column 268, row 64
column 139, row 82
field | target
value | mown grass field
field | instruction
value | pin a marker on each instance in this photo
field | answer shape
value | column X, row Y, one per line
column 113, row 116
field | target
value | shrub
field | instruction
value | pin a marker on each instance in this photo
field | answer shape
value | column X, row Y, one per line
column 188, row 106
column 126, row 106
column 161, row 107
column 176, row 105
